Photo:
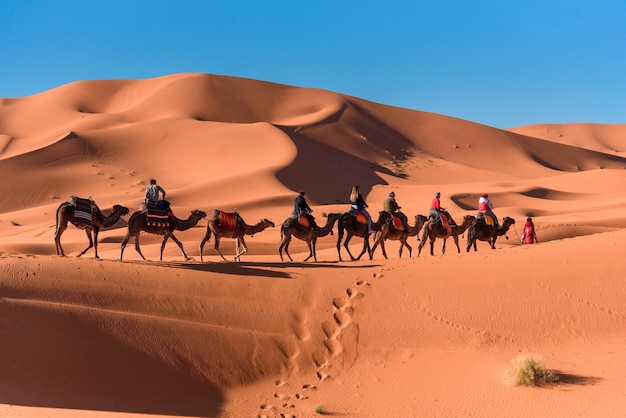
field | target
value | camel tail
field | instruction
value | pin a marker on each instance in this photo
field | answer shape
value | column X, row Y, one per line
column 58, row 217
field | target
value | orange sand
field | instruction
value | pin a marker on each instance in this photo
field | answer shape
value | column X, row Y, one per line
column 399, row 337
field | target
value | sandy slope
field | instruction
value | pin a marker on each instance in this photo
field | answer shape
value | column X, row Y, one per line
column 419, row 336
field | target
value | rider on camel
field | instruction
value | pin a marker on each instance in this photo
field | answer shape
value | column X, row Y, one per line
column 486, row 207
column 436, row 210
column 152, row 195
column 391, row 206
column 302, row 208
column 358, row 203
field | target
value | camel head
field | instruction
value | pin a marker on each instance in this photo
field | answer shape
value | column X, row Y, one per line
column 121, row 209
column 334, row 216
column 469, row 220
column 508, row 221
column 267, row 223
column 198, row 214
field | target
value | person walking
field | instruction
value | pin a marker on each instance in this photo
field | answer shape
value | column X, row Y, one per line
column 528, row 234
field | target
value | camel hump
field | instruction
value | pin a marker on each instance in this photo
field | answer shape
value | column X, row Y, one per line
column 360, row 216
column 304, row 221
column 158, row 217
column 228, row 220
column 397, row 222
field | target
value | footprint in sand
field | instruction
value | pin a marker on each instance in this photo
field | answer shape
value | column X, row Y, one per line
column 352, row 293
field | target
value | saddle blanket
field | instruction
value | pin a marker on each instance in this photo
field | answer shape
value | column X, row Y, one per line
column 397, row 223
column 82, row 210
column 360, row 216
column 157, row 217
column 487, row 218
column 304, row 221
column 445, row 222
column 228, row 220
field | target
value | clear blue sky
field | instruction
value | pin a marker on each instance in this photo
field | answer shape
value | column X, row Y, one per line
column 502, row 63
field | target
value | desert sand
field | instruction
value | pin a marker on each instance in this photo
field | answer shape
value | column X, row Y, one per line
column 416, row 336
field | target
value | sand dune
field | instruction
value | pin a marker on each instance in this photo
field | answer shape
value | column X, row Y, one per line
column 411, row 336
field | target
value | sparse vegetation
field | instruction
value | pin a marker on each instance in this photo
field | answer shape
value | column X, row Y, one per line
column 528, row 370
column 319, row 409
column 14, row 223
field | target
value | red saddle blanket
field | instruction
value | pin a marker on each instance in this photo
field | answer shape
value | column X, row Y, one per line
column 397, row 222
column 228, row 220
column 360, row 217
column 304, row 221
column 445, row 222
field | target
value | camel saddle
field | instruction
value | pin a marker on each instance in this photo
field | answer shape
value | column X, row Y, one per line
column 304, row 221
column 83, row 209
column 486, row 218
column 228, row 220
column 156, row 216
column 445, row 222
column 360, row 216
column 397, row 222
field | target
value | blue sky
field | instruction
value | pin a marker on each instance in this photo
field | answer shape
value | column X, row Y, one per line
column 502, row 63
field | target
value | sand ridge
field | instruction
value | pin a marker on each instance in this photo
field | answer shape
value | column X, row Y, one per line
column 398, row 336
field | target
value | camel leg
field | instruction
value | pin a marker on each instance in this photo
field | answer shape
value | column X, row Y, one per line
column 96, row 231
column 57, row 237
column 88, row 232
column 241, row 248
column 284, row 244
column 432, row 245
column 379, row 238
column 493, row 242
column 311, row 245
column 345, row 244
column 217, row 247
column 419, row 247
column 423, row 240
column 443, row 246
column 404, row 243
column 456, row 242
column 207, row 237
column 339, row 238
column 137, row 248
column 180, row 245
column 124, row 242
column 366, row 246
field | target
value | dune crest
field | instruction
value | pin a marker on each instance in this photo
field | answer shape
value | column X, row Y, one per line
column 86, row 337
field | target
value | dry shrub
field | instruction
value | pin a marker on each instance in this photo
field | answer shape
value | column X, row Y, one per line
column 529, row 370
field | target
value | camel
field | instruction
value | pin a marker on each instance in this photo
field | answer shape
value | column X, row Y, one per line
column 240, row 230
column 65, row 214
column 389, row 232
column 138, row 222
column 291, row 227
column 432, row 231
column 347, row 223
column 483, row 232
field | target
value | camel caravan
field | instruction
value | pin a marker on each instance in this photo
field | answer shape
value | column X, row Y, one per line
column 155, row 217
